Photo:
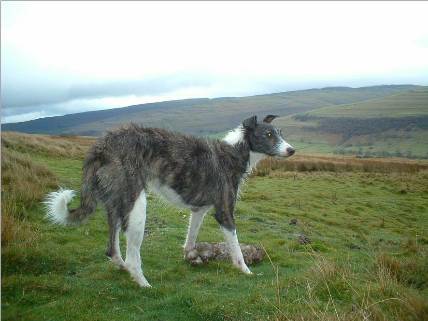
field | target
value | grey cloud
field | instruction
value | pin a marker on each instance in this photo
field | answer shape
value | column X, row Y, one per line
column 21, row 96
column 59, row 98
column 150, row 86
column 15, row 94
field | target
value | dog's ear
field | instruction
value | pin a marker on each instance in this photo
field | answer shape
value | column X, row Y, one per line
column 250, row 123
column 268, row 119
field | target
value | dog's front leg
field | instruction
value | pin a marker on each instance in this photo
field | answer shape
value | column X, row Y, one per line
column 225, row 217
column 235, row 250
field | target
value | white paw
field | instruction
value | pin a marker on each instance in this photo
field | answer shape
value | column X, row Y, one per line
column 243, row 267
column 118, row 261
column 137, row 276
column 246, row 270
column 143, row 282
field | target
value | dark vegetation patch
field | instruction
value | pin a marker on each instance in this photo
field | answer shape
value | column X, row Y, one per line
column 353, row 126
column 315, row 163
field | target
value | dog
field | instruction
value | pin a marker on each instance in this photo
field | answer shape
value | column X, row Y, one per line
column 191, row 172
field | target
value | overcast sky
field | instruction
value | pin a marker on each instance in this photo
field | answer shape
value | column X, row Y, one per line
column 65, row 57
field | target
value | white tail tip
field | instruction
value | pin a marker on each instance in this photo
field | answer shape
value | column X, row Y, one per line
column 56, row 205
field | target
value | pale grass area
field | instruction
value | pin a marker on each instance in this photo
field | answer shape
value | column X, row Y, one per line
column 327, row 277
column 23, row 181
column 23, row 184
column 305, row 163
column 14, row 230
column 66, row 146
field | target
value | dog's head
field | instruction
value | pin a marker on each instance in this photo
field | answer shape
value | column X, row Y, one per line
column 265, row 138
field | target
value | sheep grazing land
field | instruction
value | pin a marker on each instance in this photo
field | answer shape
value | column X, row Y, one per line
column 343, row 238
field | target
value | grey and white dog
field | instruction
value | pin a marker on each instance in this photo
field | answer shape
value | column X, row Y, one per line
column 190, row 172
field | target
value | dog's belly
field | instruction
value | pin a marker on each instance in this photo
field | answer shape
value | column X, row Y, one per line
column 168, row 194
column 174, row 198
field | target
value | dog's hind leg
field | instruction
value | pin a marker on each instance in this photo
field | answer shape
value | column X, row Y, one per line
column 195, row 222
column 134, row 238
column 113, row 247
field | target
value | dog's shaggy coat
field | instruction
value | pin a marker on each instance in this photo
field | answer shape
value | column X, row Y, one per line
column 196, row 173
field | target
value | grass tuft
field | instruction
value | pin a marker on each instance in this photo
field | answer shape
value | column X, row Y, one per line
column 24, row 184
column 55, row 146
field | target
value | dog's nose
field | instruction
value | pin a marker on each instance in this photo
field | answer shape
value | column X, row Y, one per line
column 290, row 151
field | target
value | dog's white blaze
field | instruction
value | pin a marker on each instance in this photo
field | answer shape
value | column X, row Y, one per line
column 235, row 250
column 234, row 136
column 56, row 205
column 134, row 237
column 282, row 148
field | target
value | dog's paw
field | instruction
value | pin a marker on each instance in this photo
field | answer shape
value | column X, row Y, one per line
column 144, row 284
column 137, row 275
column 246, row 270
column 240, row 264
column 118, row 262
column 142, row 281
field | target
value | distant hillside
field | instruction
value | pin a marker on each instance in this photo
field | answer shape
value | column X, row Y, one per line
column 395, row 125
column 404, row 104
column 204, row 116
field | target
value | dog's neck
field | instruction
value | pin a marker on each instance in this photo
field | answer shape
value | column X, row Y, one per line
column 236, row 138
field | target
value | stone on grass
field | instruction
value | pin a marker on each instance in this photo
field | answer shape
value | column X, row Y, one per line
column 205, row 252
column 303, row 239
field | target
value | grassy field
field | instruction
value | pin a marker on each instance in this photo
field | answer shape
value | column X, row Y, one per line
column 366, row 222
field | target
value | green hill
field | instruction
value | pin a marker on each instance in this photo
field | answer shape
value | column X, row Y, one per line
column 395, row 125
column 406, row 104
column 204, row 116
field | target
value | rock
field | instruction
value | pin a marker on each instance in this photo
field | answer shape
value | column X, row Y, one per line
column 197, row 261
column 303, row 239
column 205, row 252
column 353, row 246
column 293, row 221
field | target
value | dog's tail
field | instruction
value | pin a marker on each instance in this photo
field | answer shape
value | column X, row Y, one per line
column 56, row 202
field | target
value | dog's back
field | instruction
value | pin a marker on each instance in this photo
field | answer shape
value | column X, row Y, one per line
column 136, row 156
